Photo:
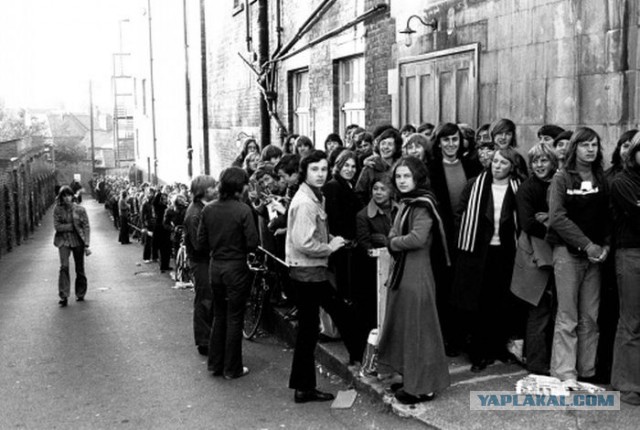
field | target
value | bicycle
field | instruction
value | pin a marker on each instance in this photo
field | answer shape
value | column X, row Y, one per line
column 260, row 290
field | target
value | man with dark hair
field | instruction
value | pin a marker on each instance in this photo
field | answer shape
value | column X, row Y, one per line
column 406, row 130
column 287, row 170
column 426, row 129
column 228, row 230
column 271, row 154
column 548, row 132
column 203, row 190
column 304, row 145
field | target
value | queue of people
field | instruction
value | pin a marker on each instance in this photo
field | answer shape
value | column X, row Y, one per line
column 494, row 254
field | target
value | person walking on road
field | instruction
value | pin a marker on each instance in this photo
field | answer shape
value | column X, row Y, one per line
column 203, row 189
column 72, row 235
column 229, row 231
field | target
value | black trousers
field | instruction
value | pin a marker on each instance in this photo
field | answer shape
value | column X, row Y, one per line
column 149, row 252
column 123, row 237
column 540, row 323
column 202, row 302
column 499, row 314
column 230, row 283
column 310, row 296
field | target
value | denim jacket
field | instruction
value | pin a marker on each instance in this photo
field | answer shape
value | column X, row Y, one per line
column 307, row 243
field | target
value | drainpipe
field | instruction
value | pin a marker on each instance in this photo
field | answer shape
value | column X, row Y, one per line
column 247, row 23
column 205, row 89
column 153, row 98
column 187, row 84
column 263, row 35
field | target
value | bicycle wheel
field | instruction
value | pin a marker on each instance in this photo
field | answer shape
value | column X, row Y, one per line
column 255, row 306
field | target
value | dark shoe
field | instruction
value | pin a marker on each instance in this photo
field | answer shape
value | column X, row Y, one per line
column 203, row 350
column 507, row 358
column 480, row 365
column 630, row 397
column 214, row 372
column 590, row 379
column 396, row 386
column 409, row 399
column 451, row 351
column 79, row 299
column 312, row 396
column 63, row 302
column 245, row 372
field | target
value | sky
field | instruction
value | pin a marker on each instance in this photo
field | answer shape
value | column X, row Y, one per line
column 51, row 49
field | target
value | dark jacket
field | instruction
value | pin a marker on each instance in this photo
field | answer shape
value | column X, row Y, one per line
column 146, row 215
column 373, row 220
column 439, row 186
column 578, row 217
column 191, row 224
column 469, row 270
column 531, row 199
column 374, row 166
column 228, row 230
column 341, row 205
column 625, row 202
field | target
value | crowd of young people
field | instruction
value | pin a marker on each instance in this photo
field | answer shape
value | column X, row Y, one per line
column 490, row 249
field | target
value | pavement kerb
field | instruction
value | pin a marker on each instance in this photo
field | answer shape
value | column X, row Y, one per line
column 334, row 357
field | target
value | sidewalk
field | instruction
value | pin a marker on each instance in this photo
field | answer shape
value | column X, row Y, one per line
column 450, row 409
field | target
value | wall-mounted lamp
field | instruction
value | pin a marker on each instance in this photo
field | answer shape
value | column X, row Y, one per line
column 408, row 31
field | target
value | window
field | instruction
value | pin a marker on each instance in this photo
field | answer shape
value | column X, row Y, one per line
column 301, row 103
column 440, row 87
column 238, row 6
column 351, row 92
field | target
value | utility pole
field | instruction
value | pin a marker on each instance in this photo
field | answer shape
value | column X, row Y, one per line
column 93, row 145
column 187, row 91
column 205, row 84
column 153, row 97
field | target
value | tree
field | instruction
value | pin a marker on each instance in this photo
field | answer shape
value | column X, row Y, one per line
column 12, row 125
column 69, row 149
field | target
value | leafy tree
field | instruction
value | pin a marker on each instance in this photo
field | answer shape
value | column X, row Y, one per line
column 12, row 125
column 69, row 149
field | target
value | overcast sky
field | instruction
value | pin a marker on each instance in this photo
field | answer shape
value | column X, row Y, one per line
column 50, row 49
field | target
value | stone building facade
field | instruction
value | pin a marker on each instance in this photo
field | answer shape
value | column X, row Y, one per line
column 564, row 62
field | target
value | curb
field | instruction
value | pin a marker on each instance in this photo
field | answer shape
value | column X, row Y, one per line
column 331, row 355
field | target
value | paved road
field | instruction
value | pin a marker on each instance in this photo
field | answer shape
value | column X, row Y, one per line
column 125, row 358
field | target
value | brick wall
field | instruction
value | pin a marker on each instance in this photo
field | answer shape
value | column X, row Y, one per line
column 233, row 93
column 379, row 58
column 232, row 89
column 26, row 192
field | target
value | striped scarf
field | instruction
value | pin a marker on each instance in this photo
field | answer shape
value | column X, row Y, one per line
column 469, row 223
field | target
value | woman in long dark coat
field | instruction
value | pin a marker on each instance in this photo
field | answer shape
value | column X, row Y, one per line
column 411, row 342
column 342, row 206
column 486, row 251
